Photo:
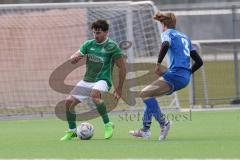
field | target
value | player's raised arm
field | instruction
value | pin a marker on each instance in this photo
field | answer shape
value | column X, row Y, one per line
column 76, row 57
column 197, row 60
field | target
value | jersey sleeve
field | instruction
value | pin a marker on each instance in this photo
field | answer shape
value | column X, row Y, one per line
column 114, row 49
column 84, row 47
column 191, row 47
column 165, row 37
column 117, row 53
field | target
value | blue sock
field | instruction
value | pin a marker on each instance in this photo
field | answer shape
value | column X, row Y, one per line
column 147, row 118
column 154, row 110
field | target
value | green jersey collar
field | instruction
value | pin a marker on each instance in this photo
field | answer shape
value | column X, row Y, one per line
column 102, row 42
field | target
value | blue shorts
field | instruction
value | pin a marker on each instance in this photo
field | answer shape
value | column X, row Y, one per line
column 177, row 79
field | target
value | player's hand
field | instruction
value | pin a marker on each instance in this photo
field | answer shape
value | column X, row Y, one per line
column 160, row 69
column 117, row 93
column 76, row 57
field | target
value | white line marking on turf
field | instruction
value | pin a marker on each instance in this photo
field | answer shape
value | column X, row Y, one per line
column 126, row 159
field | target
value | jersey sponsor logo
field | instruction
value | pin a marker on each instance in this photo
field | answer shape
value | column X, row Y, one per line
column 94, row 58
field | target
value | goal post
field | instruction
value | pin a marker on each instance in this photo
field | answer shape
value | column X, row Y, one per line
column 38, row 38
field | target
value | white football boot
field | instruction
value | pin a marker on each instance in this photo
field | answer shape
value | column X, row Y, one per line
column 140, row 133
column 164, row 131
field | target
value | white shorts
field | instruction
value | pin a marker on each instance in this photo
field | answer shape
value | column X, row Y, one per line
column 83, row 89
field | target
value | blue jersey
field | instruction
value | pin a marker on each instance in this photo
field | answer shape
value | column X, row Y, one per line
column 179, row 50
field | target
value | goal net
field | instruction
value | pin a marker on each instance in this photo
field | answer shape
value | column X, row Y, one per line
column 37, row 40
column 217, row 82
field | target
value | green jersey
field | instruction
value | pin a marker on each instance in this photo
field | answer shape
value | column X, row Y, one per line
column 100, row 58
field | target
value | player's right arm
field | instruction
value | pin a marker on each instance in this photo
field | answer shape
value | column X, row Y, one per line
column 80, row 53
column 166, row 41
column 76, row 57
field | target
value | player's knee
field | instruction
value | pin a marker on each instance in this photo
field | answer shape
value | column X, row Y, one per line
column 144, row 94
column 96, row 96
column 97, row 100
column 68, row 102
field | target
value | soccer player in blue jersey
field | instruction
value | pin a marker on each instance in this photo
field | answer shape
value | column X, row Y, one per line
column 179, row 49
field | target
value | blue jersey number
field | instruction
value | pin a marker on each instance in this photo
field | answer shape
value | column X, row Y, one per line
column 186, row 49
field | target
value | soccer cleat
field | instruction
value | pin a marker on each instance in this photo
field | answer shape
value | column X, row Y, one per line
column 164, row 131
column 108, row 130
column 141, row 133
column 68, row 136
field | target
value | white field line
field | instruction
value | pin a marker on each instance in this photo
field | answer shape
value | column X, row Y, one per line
column 126, row 159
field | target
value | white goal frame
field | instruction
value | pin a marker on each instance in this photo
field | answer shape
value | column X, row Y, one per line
column 173, row 103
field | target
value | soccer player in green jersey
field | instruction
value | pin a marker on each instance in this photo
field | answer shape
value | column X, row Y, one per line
column 101, row 54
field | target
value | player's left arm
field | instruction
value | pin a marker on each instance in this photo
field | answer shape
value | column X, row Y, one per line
column 198, row 62
column 120, row 63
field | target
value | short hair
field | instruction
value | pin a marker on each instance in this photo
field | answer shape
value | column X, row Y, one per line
column 100, row 24
column 168, row 19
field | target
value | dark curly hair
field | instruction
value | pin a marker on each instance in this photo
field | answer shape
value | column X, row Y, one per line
column 100, row 24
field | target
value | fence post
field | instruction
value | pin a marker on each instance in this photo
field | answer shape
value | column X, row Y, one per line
column 235, row 55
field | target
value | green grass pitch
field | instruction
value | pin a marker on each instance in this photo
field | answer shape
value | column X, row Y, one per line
column 208, row 134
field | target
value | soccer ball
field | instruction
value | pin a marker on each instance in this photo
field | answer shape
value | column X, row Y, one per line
column 85, row 131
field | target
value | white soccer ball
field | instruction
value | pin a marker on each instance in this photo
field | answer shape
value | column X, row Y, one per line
column 85, row 131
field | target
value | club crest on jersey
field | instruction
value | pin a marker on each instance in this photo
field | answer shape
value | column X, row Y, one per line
column 109, row 47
